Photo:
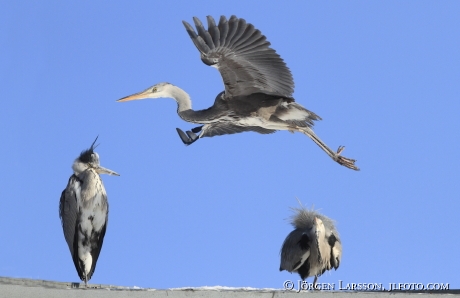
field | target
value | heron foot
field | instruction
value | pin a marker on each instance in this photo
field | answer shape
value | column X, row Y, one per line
column 190, row 137
column 346, row 162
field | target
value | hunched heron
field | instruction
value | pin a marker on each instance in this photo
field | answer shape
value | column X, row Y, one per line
column 313, row 247
column 84, row 209
column 258, row 87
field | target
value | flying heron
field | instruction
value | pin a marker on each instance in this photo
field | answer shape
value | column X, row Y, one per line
column 313, row 247
column 84, row 209
column 258, row 87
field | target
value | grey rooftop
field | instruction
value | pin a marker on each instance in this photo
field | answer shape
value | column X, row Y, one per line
column 23, row 287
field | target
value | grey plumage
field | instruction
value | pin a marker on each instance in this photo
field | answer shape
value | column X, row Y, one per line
column 258, row 87
column 219, row 129
column 244, row 58
column 83, row 210
column 313, row 247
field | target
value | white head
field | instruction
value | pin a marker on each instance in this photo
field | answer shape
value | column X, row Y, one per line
column 90, row 159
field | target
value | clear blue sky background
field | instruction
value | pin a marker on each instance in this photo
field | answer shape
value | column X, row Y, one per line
column 383, row 75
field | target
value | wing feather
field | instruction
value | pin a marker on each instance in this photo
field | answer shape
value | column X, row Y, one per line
column 247, row 35
column 238, row 33
column 294, row 252
column 68, row 211
column 232, row 26
column 253, row 44
column 203, row 33
column 197, row 40
column 213, row 31
column 69, row 214
column 223, row 29
column 243, row 56
column 225, row 128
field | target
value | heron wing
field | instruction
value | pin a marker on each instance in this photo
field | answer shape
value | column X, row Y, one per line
column 226, row 128
column 295, row 251
column 243, row 57
column 68, row 211
column 336, row 251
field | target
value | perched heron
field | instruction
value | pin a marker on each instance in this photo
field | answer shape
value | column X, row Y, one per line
column 84, row 210
column 313, row 247
column 258, row 87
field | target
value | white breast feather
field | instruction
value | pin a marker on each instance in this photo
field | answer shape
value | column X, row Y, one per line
column 294, row 114
column 98, row 212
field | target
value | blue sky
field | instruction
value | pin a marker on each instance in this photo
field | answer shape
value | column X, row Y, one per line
column 383, row 75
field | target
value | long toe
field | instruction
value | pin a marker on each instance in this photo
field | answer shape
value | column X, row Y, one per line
column 341, row 148
column 347, row 162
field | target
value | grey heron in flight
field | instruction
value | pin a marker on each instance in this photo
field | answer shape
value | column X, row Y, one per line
column 84, row 209
column 258, row 87
column 313, row 247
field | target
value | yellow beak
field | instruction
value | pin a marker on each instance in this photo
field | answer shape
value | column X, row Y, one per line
column 140, row 95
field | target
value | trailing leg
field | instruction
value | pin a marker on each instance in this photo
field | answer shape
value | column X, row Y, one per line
column 347, row 162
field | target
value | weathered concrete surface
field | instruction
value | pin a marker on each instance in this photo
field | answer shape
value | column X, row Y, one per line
column 22, row 287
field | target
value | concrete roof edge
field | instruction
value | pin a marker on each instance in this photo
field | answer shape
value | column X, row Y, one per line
column 72, row 285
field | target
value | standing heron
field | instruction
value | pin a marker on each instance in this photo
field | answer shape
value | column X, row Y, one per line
column 258, row 87
column 313, row 247
column 84, row 210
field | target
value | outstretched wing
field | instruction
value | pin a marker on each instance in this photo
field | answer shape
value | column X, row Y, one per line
column 243, row 57
column 226, row 128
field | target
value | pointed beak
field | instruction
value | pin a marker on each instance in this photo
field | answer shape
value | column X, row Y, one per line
column 102, row 170
column 140, row 95
column 318, row 221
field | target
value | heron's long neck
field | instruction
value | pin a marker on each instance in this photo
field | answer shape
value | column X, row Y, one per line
column 183, row 99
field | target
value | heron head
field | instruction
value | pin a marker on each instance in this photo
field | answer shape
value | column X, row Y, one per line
column 90, row 159
column 155, row 91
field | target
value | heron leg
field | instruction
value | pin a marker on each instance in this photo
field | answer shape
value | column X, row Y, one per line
column 342, row 160
column 190, row 137
column 314, row 282
column 197, row 129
